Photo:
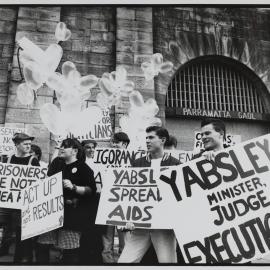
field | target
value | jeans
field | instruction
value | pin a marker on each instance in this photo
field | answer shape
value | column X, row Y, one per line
column 139, row 241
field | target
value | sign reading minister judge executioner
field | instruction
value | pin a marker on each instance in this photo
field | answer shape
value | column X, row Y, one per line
column 221, row 209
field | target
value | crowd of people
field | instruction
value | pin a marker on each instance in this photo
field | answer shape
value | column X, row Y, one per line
column 80, row 240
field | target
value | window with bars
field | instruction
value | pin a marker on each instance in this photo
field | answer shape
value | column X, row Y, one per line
column 213, row 85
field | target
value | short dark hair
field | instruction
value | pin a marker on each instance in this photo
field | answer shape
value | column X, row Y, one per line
column 121, row 137
column 75, row 144
column 171, row 142
column 218, row 125
column 89, row 141
column 37, row 150
column 160, row 131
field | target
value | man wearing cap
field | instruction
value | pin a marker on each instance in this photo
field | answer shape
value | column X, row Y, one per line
column 22, row 156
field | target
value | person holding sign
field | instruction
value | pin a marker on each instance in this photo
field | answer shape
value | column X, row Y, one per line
column 23, row 249
column 139, row 240
column 79, row 192
column 213, row 132
column 120, row 140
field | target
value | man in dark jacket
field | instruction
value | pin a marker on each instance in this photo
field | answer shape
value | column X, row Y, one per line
column 139, row 240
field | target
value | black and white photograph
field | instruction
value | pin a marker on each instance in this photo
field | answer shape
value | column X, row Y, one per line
column 134, row 134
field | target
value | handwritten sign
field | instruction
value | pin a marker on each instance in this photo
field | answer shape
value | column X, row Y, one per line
column 100, row 130
column 131, row 195
column 230, row 140
column 43, row 207
column 16, row 178
column 7, row 146
column 220, row 209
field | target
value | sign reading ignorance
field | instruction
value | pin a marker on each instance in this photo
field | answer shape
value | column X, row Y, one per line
column 230, row 140
column 43, row 207
column 7, row 146
column 221, row 211
column 130, row 195
column 113, row 158
column 99, row 131
column 14, row 179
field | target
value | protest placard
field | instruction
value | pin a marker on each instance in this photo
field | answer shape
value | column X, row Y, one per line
column 221, row 209
column 230, row 140
column 99, row 129
column 42, row 207
column 131, row 195
column 16, row 178
column 114, row 157
column 7, row 146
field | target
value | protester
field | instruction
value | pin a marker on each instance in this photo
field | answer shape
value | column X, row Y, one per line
column 171, row 144
column 37, row 153
column 138, row 241
column 213, row 132
column 23, row 249
column 91, row 240
column 79, row 192
column 119, row 140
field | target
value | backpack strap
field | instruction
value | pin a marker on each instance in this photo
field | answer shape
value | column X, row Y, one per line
column 30, row 160
column 9, row 159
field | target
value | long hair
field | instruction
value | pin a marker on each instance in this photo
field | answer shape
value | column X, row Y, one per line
column 75, row 144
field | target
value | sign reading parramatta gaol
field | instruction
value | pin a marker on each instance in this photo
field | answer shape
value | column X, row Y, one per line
column 218, row 114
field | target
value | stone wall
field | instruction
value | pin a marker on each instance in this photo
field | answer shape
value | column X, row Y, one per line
column 182, row 34
column 134, row 45
column 8, row 17
column 38, row 25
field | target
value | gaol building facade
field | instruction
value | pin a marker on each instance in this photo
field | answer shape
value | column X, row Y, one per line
column 221, row 58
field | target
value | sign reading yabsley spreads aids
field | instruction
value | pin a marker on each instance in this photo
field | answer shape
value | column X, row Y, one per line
column 43, row 207
column 131, row 195
column 14, row 179
column 221, row 209
column 230, row 140
column 7, row 146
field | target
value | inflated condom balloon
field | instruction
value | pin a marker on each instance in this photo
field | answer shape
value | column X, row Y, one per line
column 25, row 94
column 150, row 107
column 53, row 55
column 67, row 67
column 61, row 32
column 33, row 78
column 136, row 99
column 50, row 116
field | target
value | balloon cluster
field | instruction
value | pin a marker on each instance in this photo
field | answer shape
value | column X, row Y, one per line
column 71, row 90
column 113, row 87
column 38, row 65
column 155, row 66
column 141, row 115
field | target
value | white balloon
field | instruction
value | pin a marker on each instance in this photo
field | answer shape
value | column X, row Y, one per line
column 61, row 32
column 25, row 94
column 50, row 116
column 68, row 67
column 136, row 99
column 33, row 77
column 53, row 55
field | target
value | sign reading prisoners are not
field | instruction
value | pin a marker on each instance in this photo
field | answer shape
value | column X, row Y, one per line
column 43, row 207
column 222, row 209
column 16, row 178
column 7, row 146
column 131, row 195
column 114, row 158
column 230, row 140
column 101, row 130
